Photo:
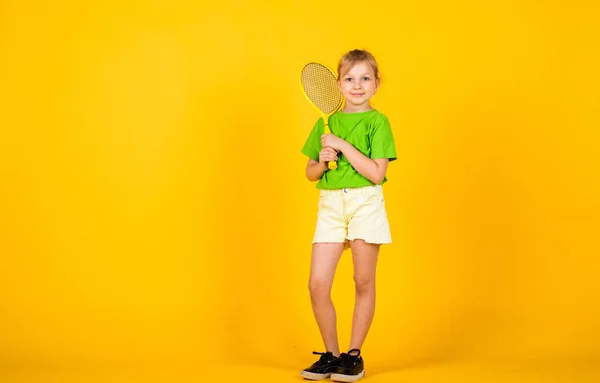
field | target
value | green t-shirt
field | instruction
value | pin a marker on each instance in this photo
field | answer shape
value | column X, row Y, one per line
column 369, row 132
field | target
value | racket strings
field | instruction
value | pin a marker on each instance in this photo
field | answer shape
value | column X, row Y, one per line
column 320, row 85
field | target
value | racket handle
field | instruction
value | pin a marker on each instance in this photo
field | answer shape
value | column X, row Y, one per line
column 332, row 165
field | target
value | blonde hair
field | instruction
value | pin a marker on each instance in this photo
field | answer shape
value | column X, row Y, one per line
column 355, row 56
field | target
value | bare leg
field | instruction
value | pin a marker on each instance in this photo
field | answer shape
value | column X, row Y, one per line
column 364, row 257
column 325, row 257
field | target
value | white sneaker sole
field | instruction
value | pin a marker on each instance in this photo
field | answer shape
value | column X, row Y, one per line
column 313, row 376
column 347, row 378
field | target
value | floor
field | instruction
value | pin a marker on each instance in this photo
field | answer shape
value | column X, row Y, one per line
column 442, row 373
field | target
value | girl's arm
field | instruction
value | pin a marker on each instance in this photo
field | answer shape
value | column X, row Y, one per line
column 372, row 169
column 315, row 170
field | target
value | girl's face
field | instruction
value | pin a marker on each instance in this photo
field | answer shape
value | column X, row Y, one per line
column 358, row 86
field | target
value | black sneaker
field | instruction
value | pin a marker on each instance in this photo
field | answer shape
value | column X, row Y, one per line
column 322, row 368
column 351, row 367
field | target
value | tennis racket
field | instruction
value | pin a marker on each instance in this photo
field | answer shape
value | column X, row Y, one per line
column 320, row 88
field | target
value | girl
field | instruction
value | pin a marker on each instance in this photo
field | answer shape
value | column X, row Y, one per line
column 351, row 210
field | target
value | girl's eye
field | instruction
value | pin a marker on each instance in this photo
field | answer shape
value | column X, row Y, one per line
column 348, row 79
column 366, row 78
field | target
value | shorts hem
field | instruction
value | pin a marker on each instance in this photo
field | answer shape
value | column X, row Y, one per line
column 373, row 242
column 328, row 241
column 348, row 240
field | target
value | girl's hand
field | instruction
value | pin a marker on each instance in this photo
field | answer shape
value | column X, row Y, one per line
column 332, row 141
column 327, row 154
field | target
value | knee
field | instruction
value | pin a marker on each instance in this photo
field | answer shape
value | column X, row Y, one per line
column 364, row 285
column 319, row 288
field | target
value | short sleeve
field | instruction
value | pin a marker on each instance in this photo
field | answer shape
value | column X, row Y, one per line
column 312, row 146
column 382, row 140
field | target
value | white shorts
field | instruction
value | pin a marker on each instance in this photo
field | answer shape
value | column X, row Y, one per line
column 352, row 213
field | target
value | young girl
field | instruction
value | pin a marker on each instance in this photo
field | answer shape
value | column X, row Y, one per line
column 351, row 210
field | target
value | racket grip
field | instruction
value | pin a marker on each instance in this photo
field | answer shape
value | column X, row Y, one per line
column 331, row 164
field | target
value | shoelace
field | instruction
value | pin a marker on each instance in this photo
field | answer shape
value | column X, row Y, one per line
column 347, row 359
column 323, row 359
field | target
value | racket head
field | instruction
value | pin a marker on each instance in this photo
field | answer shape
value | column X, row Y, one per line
column 320, row 87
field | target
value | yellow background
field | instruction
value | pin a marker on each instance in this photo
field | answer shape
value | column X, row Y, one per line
column 154, row 210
